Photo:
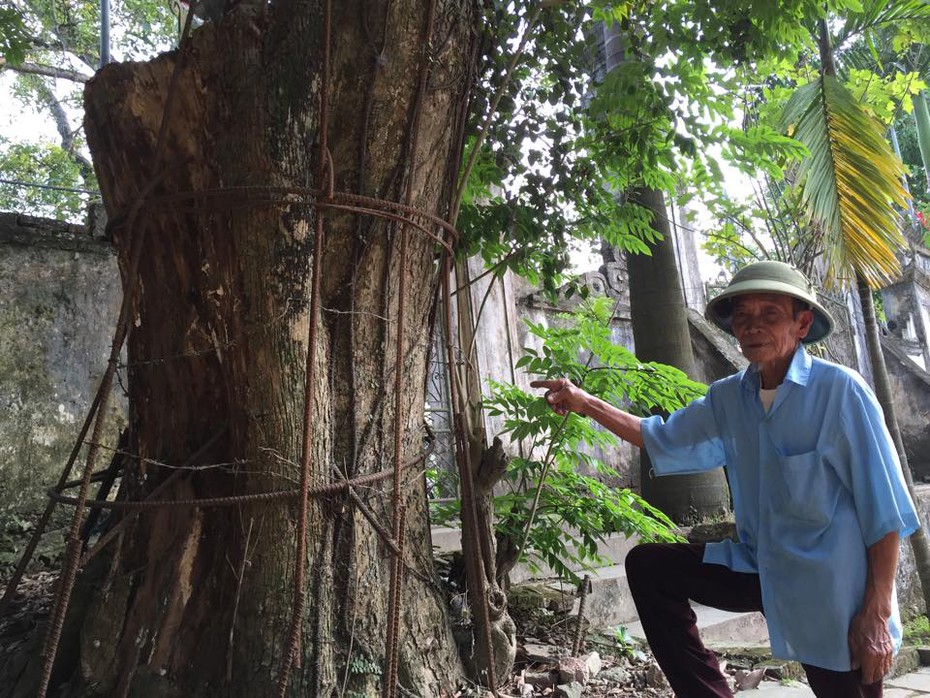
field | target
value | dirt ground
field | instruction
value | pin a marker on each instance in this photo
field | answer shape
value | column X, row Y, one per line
column 626, row 669
column 545, row 638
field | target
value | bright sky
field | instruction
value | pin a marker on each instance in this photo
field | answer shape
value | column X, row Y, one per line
column 18, row 122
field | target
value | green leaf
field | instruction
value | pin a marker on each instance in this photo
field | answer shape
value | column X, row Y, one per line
column 14, row 36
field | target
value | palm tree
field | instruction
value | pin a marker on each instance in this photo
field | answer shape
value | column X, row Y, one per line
column 852, row 185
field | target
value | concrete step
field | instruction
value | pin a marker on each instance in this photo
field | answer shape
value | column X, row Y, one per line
column 609, row 601
column 446, row 539
column 722, row 629
column 614, row 548
column 915, row 684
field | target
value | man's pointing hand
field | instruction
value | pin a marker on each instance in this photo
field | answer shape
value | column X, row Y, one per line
column 562, row 395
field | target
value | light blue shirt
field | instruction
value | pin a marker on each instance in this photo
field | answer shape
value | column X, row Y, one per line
column 815, row 482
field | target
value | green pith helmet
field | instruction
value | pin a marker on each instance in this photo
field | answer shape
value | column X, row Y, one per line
column 770, row 277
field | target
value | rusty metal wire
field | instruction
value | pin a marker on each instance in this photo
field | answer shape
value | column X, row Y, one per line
column 385, row 535
column 117, row 528
column 227, row 198
column 583, row 590
column 396, row 596
column 321, row 490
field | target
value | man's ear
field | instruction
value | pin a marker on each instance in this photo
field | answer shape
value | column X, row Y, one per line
column 806, row 317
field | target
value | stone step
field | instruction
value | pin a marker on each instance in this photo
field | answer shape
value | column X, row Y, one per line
column 609, row 601
column 722, row 629
column 911, row 684
column 446, row 539
column 915, row 683
column 614, row 548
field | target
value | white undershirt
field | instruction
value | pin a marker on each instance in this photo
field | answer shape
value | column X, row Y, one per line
column 767, row 396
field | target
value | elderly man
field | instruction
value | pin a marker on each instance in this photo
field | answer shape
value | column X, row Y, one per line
column 818, row 495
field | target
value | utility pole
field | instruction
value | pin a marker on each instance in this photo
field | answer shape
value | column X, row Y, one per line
column 104, row 32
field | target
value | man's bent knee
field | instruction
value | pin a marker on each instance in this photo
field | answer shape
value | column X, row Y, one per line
column 645, row 562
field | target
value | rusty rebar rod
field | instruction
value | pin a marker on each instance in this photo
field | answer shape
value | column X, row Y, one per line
column 395, row 596
column 293, row 641
column 583, row 590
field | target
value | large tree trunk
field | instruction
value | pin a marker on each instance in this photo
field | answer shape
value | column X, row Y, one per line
column 661, row 333
column 198, row 601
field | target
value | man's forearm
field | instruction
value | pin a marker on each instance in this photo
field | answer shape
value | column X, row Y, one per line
column 882, row 564
column 870, row 645
column 625, row 425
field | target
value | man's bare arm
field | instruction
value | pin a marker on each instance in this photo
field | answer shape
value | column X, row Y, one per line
column 870, row 644
column 564, row 397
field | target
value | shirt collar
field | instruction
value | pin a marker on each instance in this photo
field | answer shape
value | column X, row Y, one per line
column 799, row 371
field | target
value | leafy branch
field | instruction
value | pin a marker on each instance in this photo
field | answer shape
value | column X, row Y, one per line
column 582, row 499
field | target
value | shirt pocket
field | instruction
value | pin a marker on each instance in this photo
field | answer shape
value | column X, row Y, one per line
column 811, row 488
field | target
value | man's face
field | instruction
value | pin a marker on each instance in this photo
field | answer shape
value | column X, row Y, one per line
column 769, row 327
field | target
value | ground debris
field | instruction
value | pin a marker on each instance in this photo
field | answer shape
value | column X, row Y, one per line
column 623, row 668
column 30, row 605
column 22, row 626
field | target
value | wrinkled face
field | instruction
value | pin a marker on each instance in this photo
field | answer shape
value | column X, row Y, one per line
column 769, row 327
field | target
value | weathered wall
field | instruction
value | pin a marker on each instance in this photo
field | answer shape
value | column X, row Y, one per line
column 910, row 597
column 906, row 304
column 715, row 353
column 911, row 388
column 609, row 280
column 59, row 298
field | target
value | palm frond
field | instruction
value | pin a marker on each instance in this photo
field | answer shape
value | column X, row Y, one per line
column 851, row 181
column 877, row 13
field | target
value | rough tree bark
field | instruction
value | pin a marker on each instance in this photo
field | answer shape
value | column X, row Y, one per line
column 197, row 602
column 661, row 333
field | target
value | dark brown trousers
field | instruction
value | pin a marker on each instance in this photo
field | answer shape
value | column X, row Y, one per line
column 663, row 577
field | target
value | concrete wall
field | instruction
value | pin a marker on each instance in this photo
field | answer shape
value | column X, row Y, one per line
column 506, row 305
column 910, row 596
column 610, row 281
column 911, row 388
column 906, row 304
column 715, row 352
column 59, row 298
